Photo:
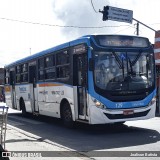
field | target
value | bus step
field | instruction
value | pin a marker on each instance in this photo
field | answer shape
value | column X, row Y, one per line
column 83, row 121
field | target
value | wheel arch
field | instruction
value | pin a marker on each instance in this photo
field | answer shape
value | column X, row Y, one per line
column 23, row 106
column 63, row 101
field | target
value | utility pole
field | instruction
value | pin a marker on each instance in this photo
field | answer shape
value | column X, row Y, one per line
column 30, row 51
column 143, row 25
column 137, row 29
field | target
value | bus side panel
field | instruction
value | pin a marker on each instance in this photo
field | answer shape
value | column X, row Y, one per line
column 52, row 98
column 35, row 102
column 41, row 98
column 8, row 97
column 24, row 92
column 31, row 99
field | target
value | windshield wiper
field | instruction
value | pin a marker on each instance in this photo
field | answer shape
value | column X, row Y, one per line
column 130, row 64
column 136, row 59
column 121, row 64
column 118, row 60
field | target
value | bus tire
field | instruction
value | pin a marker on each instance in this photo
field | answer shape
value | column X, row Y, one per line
column 23, row 107
column 67, row 115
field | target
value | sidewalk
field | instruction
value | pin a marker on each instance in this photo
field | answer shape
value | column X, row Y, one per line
column 26, row 144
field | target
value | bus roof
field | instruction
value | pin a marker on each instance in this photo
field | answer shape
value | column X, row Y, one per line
column 83, row 39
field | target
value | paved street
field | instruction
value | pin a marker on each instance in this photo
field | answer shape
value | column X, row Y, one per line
column 48, row 134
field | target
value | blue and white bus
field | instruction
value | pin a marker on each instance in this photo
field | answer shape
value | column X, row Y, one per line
column 95, row 79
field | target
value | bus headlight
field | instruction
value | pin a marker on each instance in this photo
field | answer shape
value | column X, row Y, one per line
column 152, row 101
column 98, row 104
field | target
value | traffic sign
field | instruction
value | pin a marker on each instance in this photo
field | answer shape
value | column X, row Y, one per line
column 117, row 14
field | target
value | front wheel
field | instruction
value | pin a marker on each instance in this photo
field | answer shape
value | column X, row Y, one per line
column 67, row 115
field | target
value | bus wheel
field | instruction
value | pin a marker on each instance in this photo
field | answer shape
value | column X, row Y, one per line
column 23, row 108
column 67, row 115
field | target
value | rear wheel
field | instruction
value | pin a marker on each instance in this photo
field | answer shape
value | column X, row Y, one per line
column 67, row 115
column 23, row 107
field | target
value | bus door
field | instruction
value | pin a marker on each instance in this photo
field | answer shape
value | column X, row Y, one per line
column 32, row 81
column 80, row 84
column 13, row 92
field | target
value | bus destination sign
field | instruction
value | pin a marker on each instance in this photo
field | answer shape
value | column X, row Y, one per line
column 122, row 41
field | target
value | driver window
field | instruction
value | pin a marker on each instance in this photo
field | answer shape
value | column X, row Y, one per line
column 106, row 68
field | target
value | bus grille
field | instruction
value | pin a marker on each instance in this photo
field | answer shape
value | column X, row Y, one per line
column 122, row 116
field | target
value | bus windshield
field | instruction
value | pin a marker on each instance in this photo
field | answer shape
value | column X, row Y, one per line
column 120, row 71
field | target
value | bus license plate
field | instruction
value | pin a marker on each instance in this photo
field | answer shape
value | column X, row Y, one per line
column 128, row 112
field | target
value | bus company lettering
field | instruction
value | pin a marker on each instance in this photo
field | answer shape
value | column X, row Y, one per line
column 43, row 92
column 22, row 89
column 57, row 92
column 137, row 104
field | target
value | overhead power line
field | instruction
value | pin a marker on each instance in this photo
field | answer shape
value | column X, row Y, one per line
column 57, row 25
column 93, row 6
column 124, row 29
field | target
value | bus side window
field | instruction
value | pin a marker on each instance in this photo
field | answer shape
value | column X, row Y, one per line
column 62, row 65
column 41, row 73
column 12, row 78
column 7, row 76
column 82, row 70
column 18, row 74
column 50, row 71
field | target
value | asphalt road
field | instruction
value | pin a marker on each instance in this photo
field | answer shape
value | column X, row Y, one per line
column 131, row 137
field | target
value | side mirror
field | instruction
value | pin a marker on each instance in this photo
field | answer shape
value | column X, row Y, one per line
column 91, row 64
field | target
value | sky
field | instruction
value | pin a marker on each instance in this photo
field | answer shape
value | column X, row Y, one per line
column 30, row 26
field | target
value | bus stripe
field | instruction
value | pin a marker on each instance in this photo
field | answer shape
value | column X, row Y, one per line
column 49, row 84
column 7, row 89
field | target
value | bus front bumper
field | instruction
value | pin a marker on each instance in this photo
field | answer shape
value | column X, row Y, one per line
column 102, row 116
